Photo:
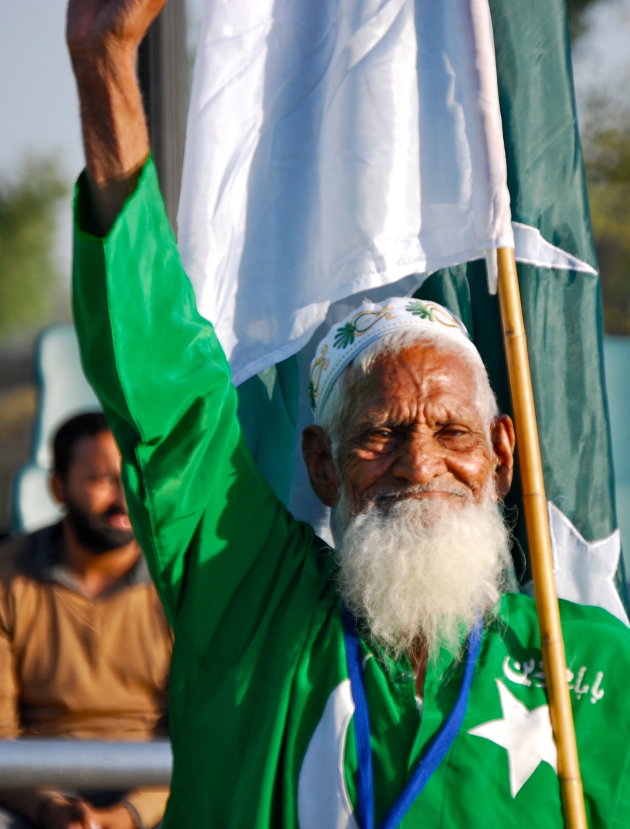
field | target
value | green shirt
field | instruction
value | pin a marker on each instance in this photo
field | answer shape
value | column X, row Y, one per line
column 261, row 714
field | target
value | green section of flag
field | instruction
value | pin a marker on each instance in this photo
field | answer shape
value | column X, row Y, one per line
column 267, row 410
column 562, row 308
column 545, row 170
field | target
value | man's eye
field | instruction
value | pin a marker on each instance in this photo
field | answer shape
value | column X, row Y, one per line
column 381, row 433
column 102, row 480
column 377, row 437
column 453, row 432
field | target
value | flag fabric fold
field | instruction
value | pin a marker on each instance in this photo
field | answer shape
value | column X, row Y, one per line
column 333, row 148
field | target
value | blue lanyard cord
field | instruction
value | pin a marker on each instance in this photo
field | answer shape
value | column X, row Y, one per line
column 437, row 750
column 361, row 724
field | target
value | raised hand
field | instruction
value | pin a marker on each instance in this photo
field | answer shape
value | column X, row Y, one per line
column 103, row 38
column 94, row 25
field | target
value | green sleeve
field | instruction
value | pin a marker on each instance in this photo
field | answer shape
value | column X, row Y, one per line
column 221, row 548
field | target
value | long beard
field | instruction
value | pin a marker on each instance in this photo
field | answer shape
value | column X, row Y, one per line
column 419, row 574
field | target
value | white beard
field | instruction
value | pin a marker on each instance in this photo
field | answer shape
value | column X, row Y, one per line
column 419, row 572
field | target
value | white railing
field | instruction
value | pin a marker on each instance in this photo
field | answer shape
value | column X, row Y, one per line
column 83, row 764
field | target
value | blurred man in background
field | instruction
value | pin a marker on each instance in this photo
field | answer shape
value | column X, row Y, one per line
column 84, row 644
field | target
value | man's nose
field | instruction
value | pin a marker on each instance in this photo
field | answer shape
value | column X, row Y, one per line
column 419, row 460
column 119, row 494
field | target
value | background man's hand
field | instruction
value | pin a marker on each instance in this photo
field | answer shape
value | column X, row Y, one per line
column 66, row 813
column 113, row 817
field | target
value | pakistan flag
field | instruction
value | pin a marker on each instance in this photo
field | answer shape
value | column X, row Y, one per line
column 322, row 170
column 560, row 293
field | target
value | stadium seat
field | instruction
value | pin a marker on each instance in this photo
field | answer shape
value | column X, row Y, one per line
column 63, row 391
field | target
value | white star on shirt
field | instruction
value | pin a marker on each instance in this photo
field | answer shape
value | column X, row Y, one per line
column 525, row 735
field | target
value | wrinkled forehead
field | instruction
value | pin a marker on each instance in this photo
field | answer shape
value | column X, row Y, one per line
column 372, row 325
column 402, row 378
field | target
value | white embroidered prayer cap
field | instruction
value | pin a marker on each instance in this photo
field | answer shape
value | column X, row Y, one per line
column 369, row 323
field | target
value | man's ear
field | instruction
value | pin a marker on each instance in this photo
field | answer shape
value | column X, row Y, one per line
column 318, row 458
column 502, row 436
column 56, row 487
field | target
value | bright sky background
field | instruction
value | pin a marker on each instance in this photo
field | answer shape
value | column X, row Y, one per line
column 38, row 101
column 39, row 110
column 602, row 58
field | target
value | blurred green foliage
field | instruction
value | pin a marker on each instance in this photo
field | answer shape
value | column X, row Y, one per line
column 606, row 143
column 606, row 140
column 576, row 11
column 28, row 275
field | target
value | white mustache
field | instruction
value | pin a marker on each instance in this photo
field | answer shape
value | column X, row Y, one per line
column 393, row 495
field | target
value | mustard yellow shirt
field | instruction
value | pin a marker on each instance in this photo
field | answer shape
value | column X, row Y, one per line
column 79, row 667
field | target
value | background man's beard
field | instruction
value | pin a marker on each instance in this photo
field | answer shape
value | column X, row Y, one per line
column 419, row 572
column 93, row 532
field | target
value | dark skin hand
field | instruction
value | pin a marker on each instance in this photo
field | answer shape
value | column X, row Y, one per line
column 64, row 813
column 103, row 39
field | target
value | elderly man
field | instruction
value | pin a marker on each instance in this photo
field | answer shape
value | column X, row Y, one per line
column 388, row 680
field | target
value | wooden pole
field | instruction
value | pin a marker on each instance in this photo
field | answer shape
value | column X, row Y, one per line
column 536, row 519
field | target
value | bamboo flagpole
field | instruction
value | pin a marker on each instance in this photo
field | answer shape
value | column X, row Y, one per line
column 536, row 519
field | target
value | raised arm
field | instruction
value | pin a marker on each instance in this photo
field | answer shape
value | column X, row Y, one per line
column 103, row 40
column 222, row 550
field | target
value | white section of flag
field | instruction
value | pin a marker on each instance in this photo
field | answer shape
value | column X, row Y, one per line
column 532, row 248
column 334, row 147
